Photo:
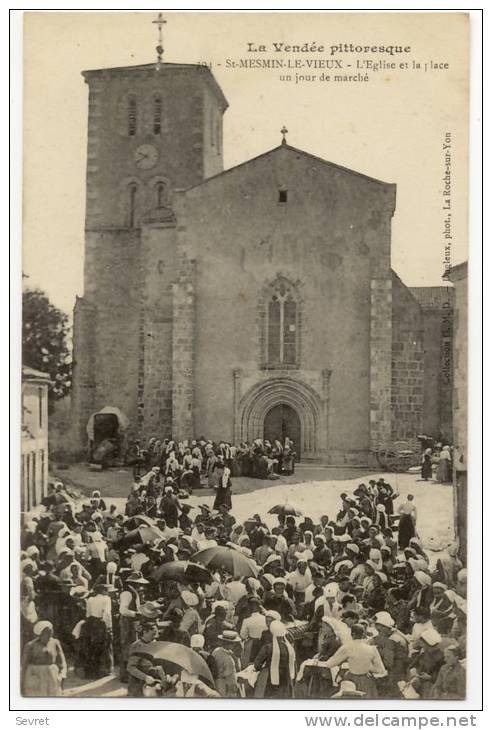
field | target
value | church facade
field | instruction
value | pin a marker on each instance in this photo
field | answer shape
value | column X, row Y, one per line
column 253, row 302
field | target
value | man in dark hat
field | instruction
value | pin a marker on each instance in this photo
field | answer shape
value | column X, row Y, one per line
column 130, row 600
column 184, row 520
column 172, row 631
column 228, row 520
column 350, row 617
column 137, row 666
column 205, row 511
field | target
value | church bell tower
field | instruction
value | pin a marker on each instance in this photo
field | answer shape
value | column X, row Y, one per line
column 152, row 129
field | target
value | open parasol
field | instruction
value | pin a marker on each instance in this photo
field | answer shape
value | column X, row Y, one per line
column 175, row 657
column 285, row 509
column 233, row 561
column 182, row 571
column 142, row 535
column 133, row 522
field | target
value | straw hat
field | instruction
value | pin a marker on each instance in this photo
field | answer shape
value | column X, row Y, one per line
column 137, row 577
column 229, row 635
column 348, row 689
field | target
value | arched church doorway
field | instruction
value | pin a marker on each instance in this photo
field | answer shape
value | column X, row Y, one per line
column 301, row 410
column 282, row 421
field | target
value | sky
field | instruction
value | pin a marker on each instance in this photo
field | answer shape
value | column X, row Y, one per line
column 391, row 128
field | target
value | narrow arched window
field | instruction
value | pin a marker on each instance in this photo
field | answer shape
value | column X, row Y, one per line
column 132, row 116
column 132, row 204
column 157, row 114
column 282, row 325
column 161, row 194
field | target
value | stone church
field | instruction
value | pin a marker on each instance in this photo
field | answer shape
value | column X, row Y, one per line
column 252, row 302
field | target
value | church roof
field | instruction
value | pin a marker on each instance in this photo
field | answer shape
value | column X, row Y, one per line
column 146, row 67
column 285, row 146
column 432, row 297
column 458, row 272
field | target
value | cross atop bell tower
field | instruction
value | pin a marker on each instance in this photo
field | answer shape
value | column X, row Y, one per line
column 159, row 48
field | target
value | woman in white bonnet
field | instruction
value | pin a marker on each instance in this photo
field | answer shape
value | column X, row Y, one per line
column 43, row 664
column 444, row 466
column 279, row 658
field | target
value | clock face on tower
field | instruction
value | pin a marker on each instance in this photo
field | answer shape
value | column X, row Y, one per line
column 146, row 156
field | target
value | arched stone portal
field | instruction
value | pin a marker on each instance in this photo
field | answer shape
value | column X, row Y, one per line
column 259, row 401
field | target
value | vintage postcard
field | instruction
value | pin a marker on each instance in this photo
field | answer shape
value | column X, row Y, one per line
column 244, row 378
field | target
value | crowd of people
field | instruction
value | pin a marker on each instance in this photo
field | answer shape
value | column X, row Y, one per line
column 185, row 461
column 437, row 463
column 345, row 606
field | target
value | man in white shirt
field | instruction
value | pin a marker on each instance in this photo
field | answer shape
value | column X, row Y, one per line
column 251, row 631
column 99, row 606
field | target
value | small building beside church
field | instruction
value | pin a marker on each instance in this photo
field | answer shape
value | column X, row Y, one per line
column 253, row 302
column 34, row 437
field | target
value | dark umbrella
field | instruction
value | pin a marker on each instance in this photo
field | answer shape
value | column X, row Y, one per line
column 141, row 536
column 285, row 509
column 182, row 571
column 233, row 561
column 174, row 656
column 137, row 520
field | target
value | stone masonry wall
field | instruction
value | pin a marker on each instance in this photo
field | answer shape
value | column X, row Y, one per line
column 446, row 384
column 460, row 356
column 183, row 358
column 106, row 329
column 158, row 271
column 437, row 420
column 380, row 357
column 83, row 376
column 407, row 365
column 323, row 238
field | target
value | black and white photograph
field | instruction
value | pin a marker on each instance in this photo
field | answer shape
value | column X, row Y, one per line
column 244, row 453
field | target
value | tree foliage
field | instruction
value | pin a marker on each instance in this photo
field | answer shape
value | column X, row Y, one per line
column 45, row 332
